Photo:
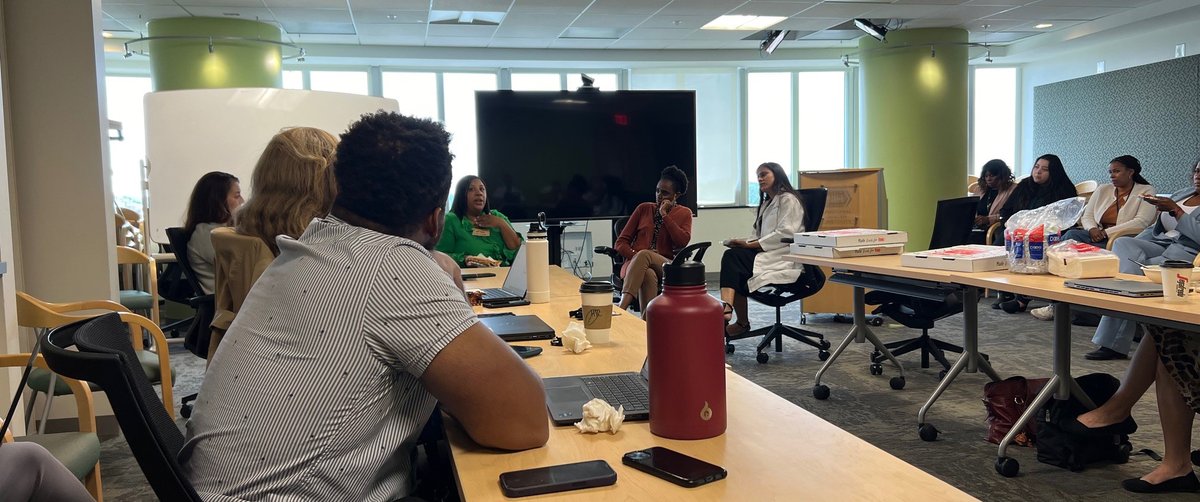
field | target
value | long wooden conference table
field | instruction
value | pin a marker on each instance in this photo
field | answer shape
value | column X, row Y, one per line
column 772, row 449
column 864, row 271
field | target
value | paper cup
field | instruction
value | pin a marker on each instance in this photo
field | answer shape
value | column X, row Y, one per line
column 597, row 299
column 1176, row 279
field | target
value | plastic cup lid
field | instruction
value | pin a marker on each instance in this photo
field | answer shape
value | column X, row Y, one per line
column 596, row 287
column 1176, row 264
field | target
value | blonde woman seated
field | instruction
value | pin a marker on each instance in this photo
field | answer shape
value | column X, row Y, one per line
column 753, row 263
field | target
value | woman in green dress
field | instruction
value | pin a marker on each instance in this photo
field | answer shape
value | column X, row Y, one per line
column 476, row 235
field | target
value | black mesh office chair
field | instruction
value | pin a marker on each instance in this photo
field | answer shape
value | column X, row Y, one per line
column 780, row 295
column 611, row 252
column 196, row 339
column 952, row 226
column 106, row 356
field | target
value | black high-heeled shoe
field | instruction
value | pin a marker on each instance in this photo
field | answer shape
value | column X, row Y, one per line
column 1013, row 306
column 1187, row 483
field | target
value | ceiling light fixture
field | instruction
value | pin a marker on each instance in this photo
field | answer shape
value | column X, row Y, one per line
column 876, row 31
column 211, row 44
column 772, row 41
column 749, row 23
column 1043, row 25
column 988, row 56
column 107, row 34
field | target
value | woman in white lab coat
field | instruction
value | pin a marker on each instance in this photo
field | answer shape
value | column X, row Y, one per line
column 750, row 264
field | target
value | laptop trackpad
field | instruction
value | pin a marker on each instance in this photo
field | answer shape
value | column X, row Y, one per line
column 567, row 395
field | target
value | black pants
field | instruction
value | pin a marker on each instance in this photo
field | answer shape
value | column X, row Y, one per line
column 737, row 266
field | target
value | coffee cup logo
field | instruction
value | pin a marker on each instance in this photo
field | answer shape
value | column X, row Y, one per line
column 592, row 316
column 1181, row 283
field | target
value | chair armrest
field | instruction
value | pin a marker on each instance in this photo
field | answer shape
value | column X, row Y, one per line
column 160, row 349
column 83, row 395
column 1121, row 233
column 991, row 232
column 88, row 305
column 197, row 301
column 607, row 251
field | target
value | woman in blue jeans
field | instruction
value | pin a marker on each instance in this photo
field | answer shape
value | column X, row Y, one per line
column 1175, row 236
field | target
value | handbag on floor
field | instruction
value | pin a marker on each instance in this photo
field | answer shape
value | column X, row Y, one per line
column 1056, row 446
column 1005, row 401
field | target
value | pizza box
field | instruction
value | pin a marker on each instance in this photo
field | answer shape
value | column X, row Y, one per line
column 967, row 258
column 846, row 252
column 851, row 237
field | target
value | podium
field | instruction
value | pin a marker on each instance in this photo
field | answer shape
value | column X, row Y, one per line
column 856, row 200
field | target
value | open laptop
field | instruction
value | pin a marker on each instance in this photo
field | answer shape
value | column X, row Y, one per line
column 514, row 328
column 12, row 408
column 1122, row 287
column 515, row 284
column 565, row 396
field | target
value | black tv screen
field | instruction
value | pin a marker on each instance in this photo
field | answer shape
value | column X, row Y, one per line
column 583, row 154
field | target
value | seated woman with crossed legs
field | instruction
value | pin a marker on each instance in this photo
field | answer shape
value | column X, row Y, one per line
column 650, row 238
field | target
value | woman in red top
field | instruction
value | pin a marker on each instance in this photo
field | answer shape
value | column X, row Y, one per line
column 650, row 238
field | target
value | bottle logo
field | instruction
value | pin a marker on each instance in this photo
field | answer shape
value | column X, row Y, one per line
column 706, row 412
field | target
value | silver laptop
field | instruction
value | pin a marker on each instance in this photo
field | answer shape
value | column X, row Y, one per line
column 565, row 396
column 1122, row 287
column 515, row 283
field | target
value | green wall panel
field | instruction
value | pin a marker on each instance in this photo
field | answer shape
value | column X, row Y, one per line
column 189, row 64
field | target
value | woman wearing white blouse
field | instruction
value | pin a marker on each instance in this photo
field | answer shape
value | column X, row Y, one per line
column 751, row 264
column 1117, row 207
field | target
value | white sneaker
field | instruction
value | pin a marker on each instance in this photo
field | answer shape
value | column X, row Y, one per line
column 1044, row 313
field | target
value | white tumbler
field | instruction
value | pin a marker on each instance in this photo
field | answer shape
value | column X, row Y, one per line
column 537, row 266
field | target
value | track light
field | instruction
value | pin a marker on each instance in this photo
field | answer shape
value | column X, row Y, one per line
column 210, row 45
column 846, row 60
column 932, row 52
column 774, row 38
column 988, row 56
column 876, row 31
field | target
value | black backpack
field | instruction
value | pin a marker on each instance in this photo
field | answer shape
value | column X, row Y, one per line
column 1056, row 446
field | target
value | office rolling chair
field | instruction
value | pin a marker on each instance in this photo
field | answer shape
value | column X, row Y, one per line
column 106, row 356
column 617, row 260
column 952, row 226
column 196, row 339
column 780, row 295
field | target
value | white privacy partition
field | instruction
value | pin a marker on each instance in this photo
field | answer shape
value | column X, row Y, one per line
column 192, row 132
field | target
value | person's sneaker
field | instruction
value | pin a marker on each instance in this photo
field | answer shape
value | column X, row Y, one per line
column 1044, row 313
column 1104, row 354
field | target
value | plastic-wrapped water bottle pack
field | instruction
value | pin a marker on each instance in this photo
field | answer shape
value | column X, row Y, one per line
column 1028, row 234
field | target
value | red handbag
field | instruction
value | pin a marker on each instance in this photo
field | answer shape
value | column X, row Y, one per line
column 1005, row 401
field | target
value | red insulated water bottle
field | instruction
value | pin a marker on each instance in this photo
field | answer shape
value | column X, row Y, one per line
column 684, row 333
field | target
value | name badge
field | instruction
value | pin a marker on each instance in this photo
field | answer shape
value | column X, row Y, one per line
column 481, row 232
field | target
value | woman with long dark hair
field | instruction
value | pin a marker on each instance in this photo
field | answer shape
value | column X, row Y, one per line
column 214, row 200
column 752, row 263
column 476, row 235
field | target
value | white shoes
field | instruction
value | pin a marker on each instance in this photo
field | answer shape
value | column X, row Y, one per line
column 1044, row 313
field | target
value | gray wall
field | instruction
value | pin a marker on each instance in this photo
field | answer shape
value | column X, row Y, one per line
column 1151, row 112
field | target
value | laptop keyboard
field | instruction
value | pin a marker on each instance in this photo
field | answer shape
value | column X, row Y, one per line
column 626, row 389
column 497, row 293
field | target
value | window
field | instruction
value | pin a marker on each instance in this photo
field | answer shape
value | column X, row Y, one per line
column 525, row 81
column 717, row 176
column 603, row 81
column 293, row 79
column 351, row 82
column 994, row 117
column 459, row 94
column 416, row 92
column 124, row 99
column 796, row 119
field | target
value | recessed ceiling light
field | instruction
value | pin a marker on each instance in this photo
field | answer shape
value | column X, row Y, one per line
column 107, row 34
column 1042, row 25
column 753, row 23
column 392, row 17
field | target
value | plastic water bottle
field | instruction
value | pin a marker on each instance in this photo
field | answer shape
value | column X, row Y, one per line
column 686, row 340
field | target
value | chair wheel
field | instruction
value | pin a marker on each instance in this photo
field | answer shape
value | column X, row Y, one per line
column 876, row 369
column 927, row 432
column 1007, row 466
column 897, row 383
column 821, row 392
column 729, row 348
column 1124, row 450
column 877, row 357
column 825, row 344
column 762, row 358
column 876, row 321
column 823, row 355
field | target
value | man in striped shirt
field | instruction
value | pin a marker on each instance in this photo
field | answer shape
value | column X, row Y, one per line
column 349, row 339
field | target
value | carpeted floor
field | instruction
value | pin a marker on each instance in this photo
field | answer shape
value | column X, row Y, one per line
column 866, row 406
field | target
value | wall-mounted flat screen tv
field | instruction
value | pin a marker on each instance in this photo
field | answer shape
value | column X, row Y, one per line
column 583, row 154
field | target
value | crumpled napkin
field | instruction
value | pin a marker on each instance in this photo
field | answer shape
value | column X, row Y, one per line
column 574, row 339
column 599, row 416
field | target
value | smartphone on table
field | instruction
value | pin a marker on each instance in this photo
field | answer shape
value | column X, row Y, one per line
column 673, row 466
column 557, row 478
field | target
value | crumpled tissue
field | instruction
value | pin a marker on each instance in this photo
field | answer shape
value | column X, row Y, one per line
column 574, row 339
column 599, row 416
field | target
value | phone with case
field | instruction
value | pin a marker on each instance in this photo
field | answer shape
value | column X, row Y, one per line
column 557, row 478
column 673, row 466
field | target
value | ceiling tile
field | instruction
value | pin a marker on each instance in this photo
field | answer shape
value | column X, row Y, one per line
column 473, row 5
column 558, row 6
column 188, row 4
column 905, row 11
column 676, row 21
column 306, row 4
column 931, row 2
column 405, row 41
column 1096, row 3
column 1009, row 3
column 318, row 28
column 1000, row 36
column 932, row 22
column 694, row 44
column 456, row 42
column 520, row 43
column 391, row 30
column 701, row 7
column 785, row 9
column 723, row 35
column 251, row 13
column 590, row 20
column 461, row 30
column 387, row 16
column 647, row 44
column 1058, row 25
column 645, row 7
column 970, row 12
column 580, row 43
column 835, row 35
column 808, row 24
column 285, row 15
column 110, row 24
column 657, row 34
column 1039, row 12
column 145, row 12
column 537, row 19
column 549, row 31
column 421, row 5
column 306, row 38
column 841, row 9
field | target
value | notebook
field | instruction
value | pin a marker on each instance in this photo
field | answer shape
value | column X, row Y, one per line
column 565, row 396
column 1122, row 287
column 515, row 285
column 513, row 328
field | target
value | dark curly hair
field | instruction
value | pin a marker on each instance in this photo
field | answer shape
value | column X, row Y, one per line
column 393, row 170
column 677, row 178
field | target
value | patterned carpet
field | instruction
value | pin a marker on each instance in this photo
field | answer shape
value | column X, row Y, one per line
column 864, row 405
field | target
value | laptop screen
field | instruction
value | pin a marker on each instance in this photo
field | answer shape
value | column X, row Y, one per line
column 516, row 280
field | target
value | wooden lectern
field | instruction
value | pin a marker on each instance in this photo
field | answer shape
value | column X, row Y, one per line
column 856, row 200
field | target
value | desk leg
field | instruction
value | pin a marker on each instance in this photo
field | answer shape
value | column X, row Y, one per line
column 860, row 333
column 970, row 361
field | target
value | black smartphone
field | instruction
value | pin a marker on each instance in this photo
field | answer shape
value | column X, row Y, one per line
column 504, row 304
column 526, row 351
column 477, row 275
column 673, row 466
column 557, row 478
